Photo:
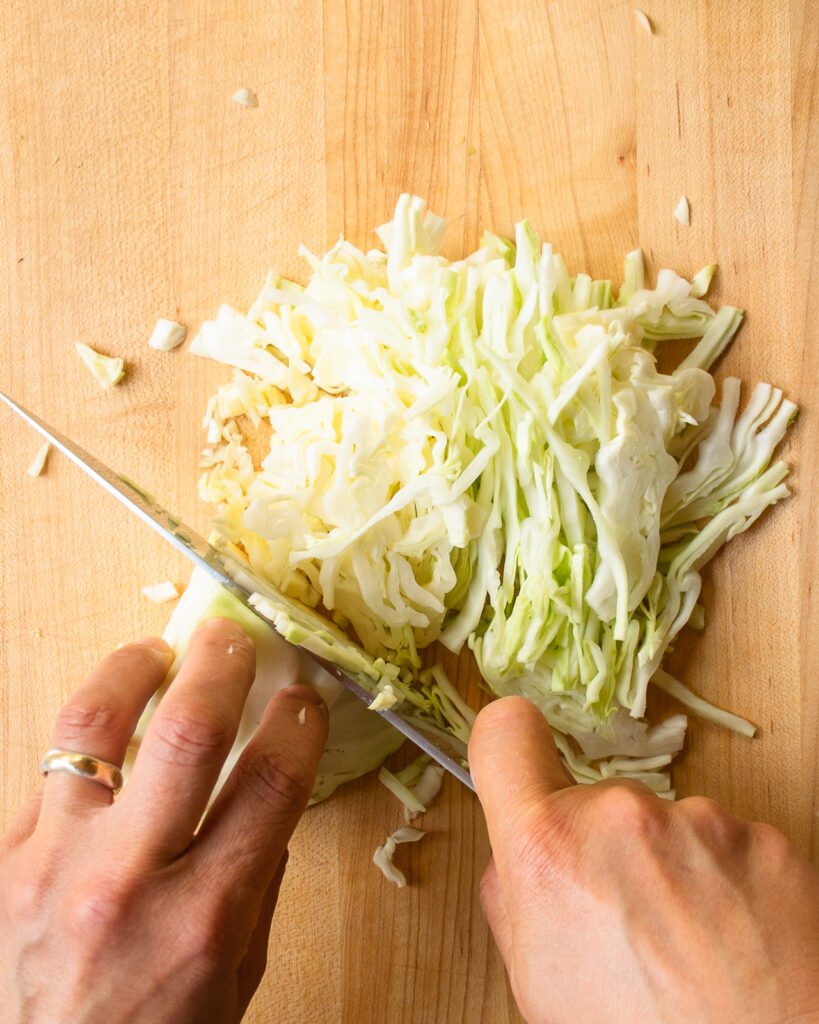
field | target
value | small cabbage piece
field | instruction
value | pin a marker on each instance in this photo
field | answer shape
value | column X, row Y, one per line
column 682, row 211
column 38, row 462
column 167, row 335
column 416, row 786
column 245, row 97
column 160, row 593
column 383, row 856
column 108, row 370
column 357, row 742
column 385, row 699
column 487, row 453
column 701, row 281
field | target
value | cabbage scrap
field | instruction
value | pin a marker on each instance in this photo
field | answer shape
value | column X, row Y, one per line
column 383, row 856
column 167, row 335
column 484, row 452
column 108, row 371
column 160, row 593
column 416, row 786
column 38, row 462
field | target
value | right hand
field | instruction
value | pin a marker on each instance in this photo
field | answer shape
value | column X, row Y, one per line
column 610, row 904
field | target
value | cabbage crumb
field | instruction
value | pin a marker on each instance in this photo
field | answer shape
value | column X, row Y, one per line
column 108, row 370
column 167, row 335
column 161, row 593
column 385, row 699
column 245, row 98
column 682, row 211
column 38, row 463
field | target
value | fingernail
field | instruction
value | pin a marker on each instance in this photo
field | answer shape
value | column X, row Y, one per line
column 303, row 692
column 156, row 643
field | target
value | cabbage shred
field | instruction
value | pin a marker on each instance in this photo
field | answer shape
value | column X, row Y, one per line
column 483, row 452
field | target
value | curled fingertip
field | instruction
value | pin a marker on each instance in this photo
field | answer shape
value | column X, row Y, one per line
column 156, row 643
column 306, row 694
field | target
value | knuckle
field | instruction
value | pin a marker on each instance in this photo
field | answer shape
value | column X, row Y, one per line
column 277, row 780
column 189, row 736
column 701, row 808
column 100, row 906
column 624, row 807
column 709, row 820
column 83, row 714
column 773, row 846
column 204, row 939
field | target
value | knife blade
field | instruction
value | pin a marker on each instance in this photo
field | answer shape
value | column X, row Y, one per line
column 238, row 578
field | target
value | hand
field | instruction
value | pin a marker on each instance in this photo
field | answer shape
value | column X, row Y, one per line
column 116, row 912
column 610, row 904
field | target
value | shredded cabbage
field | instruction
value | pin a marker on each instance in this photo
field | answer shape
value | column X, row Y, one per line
column 416, row 786
column 484, row 452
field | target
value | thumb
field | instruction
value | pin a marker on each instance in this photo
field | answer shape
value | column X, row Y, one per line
column 515, row 765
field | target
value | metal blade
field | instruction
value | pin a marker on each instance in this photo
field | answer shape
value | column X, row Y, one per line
column 446, row 749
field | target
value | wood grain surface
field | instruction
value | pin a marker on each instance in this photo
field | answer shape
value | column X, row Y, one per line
column 131, row 187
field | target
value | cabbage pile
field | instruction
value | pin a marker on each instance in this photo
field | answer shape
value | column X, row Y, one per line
column 483, row 453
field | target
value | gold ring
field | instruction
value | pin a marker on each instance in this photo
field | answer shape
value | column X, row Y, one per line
column 84, row 765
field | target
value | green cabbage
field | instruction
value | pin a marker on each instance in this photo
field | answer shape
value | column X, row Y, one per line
column 358, row 740
column 484, row 452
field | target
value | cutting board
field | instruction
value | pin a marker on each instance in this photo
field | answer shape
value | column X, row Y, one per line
column 132, row 188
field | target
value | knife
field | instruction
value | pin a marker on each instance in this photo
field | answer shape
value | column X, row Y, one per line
column 238, row 578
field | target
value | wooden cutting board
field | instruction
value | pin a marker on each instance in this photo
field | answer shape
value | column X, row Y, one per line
column 132, row 187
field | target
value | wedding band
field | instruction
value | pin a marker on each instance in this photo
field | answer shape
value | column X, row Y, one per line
column 84, row 765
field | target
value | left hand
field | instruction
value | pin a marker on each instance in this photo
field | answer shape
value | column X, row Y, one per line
column 123, row 911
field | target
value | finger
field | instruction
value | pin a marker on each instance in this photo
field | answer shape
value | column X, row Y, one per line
column 494, row 909
column 252, row 968
column 515, row 765
column 187, row 741
column 24, row 823
column 99, row 719
column 250, row 824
